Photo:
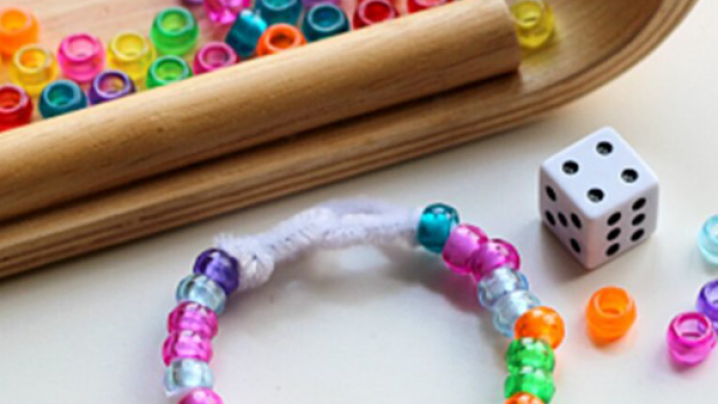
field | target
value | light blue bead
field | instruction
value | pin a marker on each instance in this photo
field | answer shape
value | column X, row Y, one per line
column 183, row 375
column 245, row 33
column 280, row 11
column 510, row 307
column 501, row 282
column 202, row 290
column 708, row 240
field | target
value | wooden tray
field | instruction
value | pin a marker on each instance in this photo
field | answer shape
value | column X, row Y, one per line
column 595, row 42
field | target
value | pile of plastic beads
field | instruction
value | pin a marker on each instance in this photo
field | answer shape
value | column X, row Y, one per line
column 83, row 71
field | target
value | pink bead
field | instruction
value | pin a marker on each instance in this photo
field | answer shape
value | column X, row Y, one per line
column 492, row 255
column 201, row 396
column 691, row 338
column 81, row 57
column 186, row 345
column 463, row 241
column 213, row 56
column 224, row 11
column 191, row 316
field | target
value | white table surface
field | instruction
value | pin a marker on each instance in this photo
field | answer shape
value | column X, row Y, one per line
column 356, row 327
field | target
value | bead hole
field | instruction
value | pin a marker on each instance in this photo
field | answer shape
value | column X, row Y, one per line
column 325, row 17
column 10, row 99
column 174, row 22
column 112, row 84
column 130, row 46
column 33, row 59
column 529, row 13
column 613, row 302
column 14, row 20
column 60, row 96
column 693, row 328
column 170, row 70
column 283, row 40
column 82, row 46
column 378, row 11
column 216, row 57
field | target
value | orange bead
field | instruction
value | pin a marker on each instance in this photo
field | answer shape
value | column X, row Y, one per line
column 278, row 38
column 17, row 28
column 542, row 323
column 523, row 398
column 610, row 314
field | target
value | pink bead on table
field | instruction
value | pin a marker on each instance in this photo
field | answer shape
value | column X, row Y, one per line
column 214, row 56
column 201, row 396
column 224, row 11
column 691, row 338
column 193, row 316
column 81, row 57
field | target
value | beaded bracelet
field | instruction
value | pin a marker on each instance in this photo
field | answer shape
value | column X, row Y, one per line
column 238, row 264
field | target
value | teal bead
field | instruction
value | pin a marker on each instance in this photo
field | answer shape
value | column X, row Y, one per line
column 530, row 353
column 324, row 20
column 203, row 290
column 435, row 226
column 61, row 97
column 533, row 381
column 245, row 33
column 280, row 11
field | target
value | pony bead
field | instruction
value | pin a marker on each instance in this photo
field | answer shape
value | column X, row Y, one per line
column 531, row 353
column 110, row 85
column 186, row 345
column 203, row 290
column 245, row 33
column 220, row 267
column 184, row 375
column 500, row 283
column 213, row 56
column 370, row 12
column 279, row 11
column 224, row 11
column 324, row 20
column 691, row 338
column 18, row 27
column 192, row 316
column 535, row 22
column 167, row 70
column 610, row 314
column 708, row 240
column 175, row 31
column 536, row 382
column 81, row 57
column 542, row 323
column 15, row 107
column 61, row 97
column 33, row 67
column 132, row 53
column 278, row 38
column 435, row 226
column 707, row 303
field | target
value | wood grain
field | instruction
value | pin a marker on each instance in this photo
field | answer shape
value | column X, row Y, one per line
column 596, row 41
column 254, row 102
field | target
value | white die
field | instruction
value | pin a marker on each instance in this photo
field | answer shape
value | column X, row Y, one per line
column 599, row 197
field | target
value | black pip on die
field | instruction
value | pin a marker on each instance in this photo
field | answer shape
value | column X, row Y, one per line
column 599, row 197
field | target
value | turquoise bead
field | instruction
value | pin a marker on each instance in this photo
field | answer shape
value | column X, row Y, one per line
column 280, row 11
column 324, row 20
column 203, row 290
column 61, row 97
column 184, row 375
column 245, row 33
column 435, row 226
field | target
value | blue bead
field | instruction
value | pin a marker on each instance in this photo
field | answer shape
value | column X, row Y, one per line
column 203, row 290
column 510, row 307
column 61, row 97
column 435, row 226
column 324, row 20
column 500, row 283
column 245, row 33
column 280, row 11
column 708, row 240
column 220, row 267
column 183, row 375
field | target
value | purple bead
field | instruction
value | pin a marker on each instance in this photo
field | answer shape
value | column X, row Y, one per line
column 708, row 302
column 463, row 241
column 110, row 85
column 220, row 267
column 186, row 345
column 201, row 396
column 691, row 338
column 191, row 316
column 492, row 255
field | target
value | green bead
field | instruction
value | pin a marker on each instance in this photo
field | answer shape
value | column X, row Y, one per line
column 435, row 226
column 166, row 70
column 174, row 31
column 533, row 381
column 529, row 353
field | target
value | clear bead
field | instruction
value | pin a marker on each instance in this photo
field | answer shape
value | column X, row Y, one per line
column 510, row 307
column 501, row 282
column 183, row 375
column 202, row 290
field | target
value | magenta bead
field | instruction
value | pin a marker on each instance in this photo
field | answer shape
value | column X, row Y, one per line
column 81, row 57
column 492, row 255
column 186, row 345
column 191, row 316
column 463, row 241
column 224, row 11
column 201, row 396
column 691, row 338
column 213, row 56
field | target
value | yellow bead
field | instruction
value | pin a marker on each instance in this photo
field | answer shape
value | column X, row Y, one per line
column 33, row 67
column 132, row 53
column 535, row 22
